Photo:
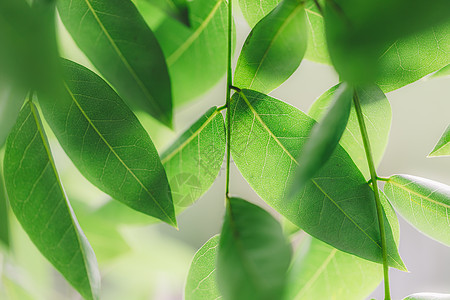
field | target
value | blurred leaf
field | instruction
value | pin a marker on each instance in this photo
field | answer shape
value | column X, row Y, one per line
column 117, row 213
column 442, row 148
column 203, row 44
column 253, row 255
column 39, row 203
column 4, row 210
column 359, row 32
column 274, row 48
column 255, row 10
column 445, row 71
column 377, row 116
column 422, row 202
column 106, row 142
column 11, row 100
column 194, row 160
column 428, row 296
column 15, row 290
column 324, row 137
column 117, row 40
column 201, row 281
column 177, row 9
column 267, row 135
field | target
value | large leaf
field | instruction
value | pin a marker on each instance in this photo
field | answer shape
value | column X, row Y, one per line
column 442, row 147
column 320, row 271
column 203, row 44
column 194, row 160
column 274, row 48
column 201, row 281
column 428, row 296
column 253, row 255
column 39, row 203
column 377, row 117
column 107, row 143
column 115, row 37
column 324, row 137
column 422, row 202
column 359, row 32
column 337, row 206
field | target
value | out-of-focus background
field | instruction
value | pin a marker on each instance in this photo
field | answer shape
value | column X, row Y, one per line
column 141, row 261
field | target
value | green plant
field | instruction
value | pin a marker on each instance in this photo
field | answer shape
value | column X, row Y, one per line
column 317, row 170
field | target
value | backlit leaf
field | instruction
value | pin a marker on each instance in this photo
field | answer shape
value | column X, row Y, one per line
column 255, row 10
column 422, row 202
column 106, row 142
column 267, row 135
column 442, row 147
column 40, row 204
column 115, row 37
column 253, row 255
column 274, row 48
column 428, row 296
column 445, row 71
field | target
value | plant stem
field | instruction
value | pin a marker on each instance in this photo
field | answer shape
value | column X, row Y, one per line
column 374, row 178
column 229, row 83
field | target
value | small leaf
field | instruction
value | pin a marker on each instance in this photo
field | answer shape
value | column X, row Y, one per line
column 267, row 135
column 115, row 37
column 201, row 281
column 255, row 10
column 106, row 142
column 4, row 208
column 445, row 71
column 274, row 48
column 253, row 255
column 422, row 202
column 40, row 204
column 324, row 137
column 442, row 147
column 428, row 296
column 194, row 160
column 317, row 49
column 377, row 116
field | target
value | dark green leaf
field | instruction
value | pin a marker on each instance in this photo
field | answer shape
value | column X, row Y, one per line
column 324, row 137
column 253, row 255
column 422, row 202
column 107, row 143
column 115, row 37
column 428, row 296
column 377, row 116
column 194, row 160
column 442, row 148
column 201, row 281
column 11, row 100
column 274, row 48
column 39, row 203
column 267, row 135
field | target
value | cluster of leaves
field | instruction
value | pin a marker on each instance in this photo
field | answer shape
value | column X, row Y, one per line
column 311, row 168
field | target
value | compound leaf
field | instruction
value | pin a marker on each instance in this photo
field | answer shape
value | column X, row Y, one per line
column 106, row 142
column 442, row 147
column 253, row 255
column 38, row 200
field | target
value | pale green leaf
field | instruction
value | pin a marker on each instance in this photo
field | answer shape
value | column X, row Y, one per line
column 274, row 48
column 253, row 255
column 4, row 208
column 422, row 202
column 445, row 71
column 194, row 160
column 39, row 203
column 115, row 37
column 324, row 137
column 442, row 147
column 267, row 135
column 377, row 117
column 428, row 296
column 106, row 142
column 255, row 10
column 201, row 281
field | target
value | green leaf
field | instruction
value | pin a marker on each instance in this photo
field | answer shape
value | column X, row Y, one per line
column 274, row 48
column 445, row 71
column 357, row 38
column 320, row 271
column 201, row 281
column 255, row 10
column 377, row 116
column 11, row 100
column 203, row 44
column 422, row 202
column 253, row 255
column 106, row 142
column 194, row 160
column 39, row 203
column 428, row 296
column 324, row 137
column 442, row 147
column 4, row 208
column 267, row 135
column 115, row 37
column 177, row 9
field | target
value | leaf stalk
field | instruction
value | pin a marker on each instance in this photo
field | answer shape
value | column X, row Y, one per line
column 229, row 83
